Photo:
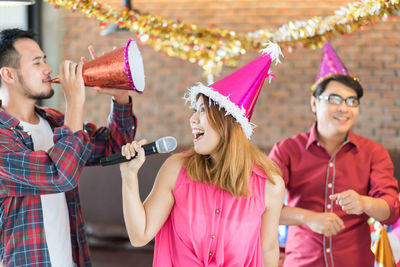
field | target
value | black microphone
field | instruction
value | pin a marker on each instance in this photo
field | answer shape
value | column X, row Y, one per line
column 163, row 145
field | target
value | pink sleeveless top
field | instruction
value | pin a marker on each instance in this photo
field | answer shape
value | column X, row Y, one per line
column 210, row 227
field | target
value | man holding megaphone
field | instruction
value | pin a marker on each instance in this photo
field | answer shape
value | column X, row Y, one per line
column 42, row 153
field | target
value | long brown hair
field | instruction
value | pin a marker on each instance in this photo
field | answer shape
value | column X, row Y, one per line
column 236, row 155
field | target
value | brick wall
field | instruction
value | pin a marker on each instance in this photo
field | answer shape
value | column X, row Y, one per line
column 282, row 110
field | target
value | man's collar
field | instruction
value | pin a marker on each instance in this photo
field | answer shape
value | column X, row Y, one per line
column 351, row 138
column 7, row 119
column 12, row 122
column 313, row 136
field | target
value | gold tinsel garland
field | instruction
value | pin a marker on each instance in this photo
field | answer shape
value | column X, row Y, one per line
column 212, row 48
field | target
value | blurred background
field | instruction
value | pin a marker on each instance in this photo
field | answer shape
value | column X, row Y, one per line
column 371, row 52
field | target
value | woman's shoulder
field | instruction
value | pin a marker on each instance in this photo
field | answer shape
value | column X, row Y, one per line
column 259, row 171
column 170, row 169
column 275, row 187
column 175, row 161
column 274, row 180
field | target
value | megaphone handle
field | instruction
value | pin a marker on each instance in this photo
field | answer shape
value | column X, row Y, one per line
column 55, row 79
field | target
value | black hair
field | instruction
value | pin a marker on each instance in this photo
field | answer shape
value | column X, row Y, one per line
column 9, row 56
column 347, row 80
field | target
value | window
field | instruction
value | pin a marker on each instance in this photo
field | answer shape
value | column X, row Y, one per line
column 14, row 17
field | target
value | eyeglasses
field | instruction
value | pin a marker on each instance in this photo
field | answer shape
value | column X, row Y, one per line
column 351, row 101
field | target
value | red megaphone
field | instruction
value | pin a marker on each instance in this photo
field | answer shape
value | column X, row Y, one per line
column 121, row 68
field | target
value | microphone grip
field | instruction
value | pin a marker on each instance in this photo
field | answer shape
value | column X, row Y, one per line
column 114, row 159
column 118, row 158
column 150, row 148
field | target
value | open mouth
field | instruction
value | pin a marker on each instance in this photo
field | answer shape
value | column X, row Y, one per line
column 197, row 134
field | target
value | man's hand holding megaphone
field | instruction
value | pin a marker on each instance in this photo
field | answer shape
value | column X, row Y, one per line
column 74, row 92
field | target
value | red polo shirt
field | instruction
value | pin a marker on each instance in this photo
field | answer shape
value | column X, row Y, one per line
column 311, row 175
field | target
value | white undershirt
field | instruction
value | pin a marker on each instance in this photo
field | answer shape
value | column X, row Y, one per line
column 54, row 206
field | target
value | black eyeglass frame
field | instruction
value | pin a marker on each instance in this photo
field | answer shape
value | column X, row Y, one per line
column 335, row 99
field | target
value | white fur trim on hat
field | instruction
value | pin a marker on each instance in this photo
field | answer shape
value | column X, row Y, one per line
column 274, row 51
column 223, row 102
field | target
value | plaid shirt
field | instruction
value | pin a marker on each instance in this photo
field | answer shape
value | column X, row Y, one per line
column 26, row 174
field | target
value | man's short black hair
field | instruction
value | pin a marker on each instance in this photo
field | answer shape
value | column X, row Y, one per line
column 347, row 80
column 9, row 56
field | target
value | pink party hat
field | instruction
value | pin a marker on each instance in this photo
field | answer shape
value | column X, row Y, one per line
column 237, row 93
column 331, row 65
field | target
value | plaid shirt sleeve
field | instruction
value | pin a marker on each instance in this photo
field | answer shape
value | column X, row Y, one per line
column 24, row 171
column 121, row 130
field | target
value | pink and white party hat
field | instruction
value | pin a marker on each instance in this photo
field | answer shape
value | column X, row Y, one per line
column 331, row 65
column 237, row 93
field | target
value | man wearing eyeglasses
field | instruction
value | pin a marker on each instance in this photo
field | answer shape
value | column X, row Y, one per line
column 335, row 179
